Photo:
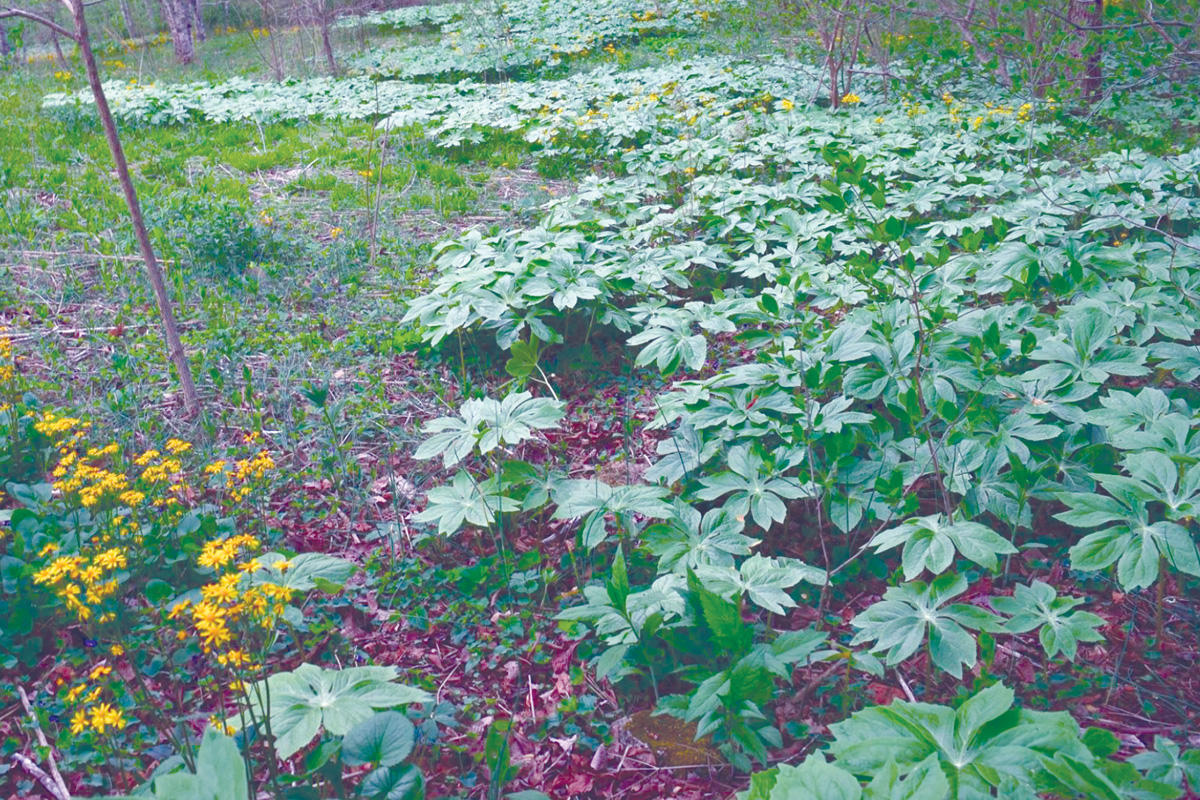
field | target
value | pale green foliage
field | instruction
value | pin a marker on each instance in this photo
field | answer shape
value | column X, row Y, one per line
column 305, row 572
column 303, row 702
column 816, row 779
column 762, row 580
column 517, row 34
column 383, row 739
column 930, row 544
column 1135, row 543
column 465, row 501
column 220, row 774
column 595, row 499
column 1038, row 606
column 913, row 613
column 754, row 492
column 1168, row 764
column 689, row 540
column 984, row 748
column 983, row 745
column 485, row 424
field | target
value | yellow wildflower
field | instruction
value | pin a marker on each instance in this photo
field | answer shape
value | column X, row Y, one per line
column 233, row 658
column 111, row 559
column 104, row 716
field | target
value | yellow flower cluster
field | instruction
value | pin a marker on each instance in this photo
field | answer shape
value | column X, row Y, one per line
column 913, row 108
column 245, row 471
column 82, row 582
column 1024, row 112
column 229, row 600
column 218, row 554
column 74, row 475
column 162, row 471
column 888, row 39
column 7, row 369
column 53, row 426
column 233, row 658
column 221, row 726
column 101, row 718
column 850, row 99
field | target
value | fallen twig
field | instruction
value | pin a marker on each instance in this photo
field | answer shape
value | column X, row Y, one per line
column 60, row 791
column 37, row 772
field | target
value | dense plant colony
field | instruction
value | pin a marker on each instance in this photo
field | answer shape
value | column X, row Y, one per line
column 918, row 377
column 941, row 343
column 525, row 36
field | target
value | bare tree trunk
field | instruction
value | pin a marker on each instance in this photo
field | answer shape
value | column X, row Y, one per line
column 127, row 16
column 197, row 19
column 5, row 48
column 323, row 14
column 191, row 401
column 58, row 51
column 276, row 58
column 178, row 17
column 1085, row 46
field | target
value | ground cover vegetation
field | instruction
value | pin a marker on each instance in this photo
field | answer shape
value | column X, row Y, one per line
column 696, row 398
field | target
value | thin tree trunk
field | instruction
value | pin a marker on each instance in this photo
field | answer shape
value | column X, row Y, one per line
column 197, row 19
column 1085, row 46
column 191, row 401
column 323, row 20
column 1036, row 78
column 276, row 59
column 127, row 15
column 58, row 51
column 5, row 48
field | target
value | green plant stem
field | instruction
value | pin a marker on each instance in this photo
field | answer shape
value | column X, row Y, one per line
column 1160, row 593
column 928, row 669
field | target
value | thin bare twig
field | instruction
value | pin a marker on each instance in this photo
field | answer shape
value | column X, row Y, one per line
column 39, row 19
column 61, row 793
column 30, row 766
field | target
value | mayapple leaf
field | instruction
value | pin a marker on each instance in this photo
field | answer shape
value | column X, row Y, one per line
column 309, row 698
column 929, row 544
